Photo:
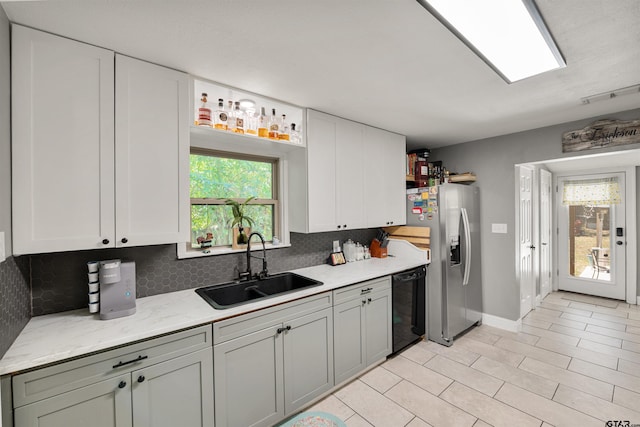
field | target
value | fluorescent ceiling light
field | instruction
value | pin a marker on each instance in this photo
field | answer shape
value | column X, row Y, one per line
column 509, row 35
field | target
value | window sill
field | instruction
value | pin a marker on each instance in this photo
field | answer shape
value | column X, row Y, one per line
column 184, row 253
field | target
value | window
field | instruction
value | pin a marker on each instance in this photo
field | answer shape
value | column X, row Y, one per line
column 217, row 176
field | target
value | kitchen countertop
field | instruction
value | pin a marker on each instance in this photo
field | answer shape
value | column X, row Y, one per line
column 55, row 337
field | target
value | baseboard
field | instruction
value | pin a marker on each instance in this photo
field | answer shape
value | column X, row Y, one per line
column 638, row 301
column 501, row 322
column 538, row 300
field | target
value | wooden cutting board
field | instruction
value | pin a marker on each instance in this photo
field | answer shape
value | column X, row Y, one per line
column 419, row 236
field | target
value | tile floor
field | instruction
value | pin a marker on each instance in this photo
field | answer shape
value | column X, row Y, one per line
column 575, row 363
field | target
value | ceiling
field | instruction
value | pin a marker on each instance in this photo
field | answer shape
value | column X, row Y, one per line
column 386, row 63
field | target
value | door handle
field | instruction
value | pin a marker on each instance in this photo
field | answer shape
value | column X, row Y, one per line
column 532, row 246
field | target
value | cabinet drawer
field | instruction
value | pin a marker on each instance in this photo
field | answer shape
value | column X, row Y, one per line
column 355, row 291
column 53, row 380
column 235, row 327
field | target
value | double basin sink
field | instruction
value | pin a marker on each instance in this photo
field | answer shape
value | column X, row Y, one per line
column 232, row 294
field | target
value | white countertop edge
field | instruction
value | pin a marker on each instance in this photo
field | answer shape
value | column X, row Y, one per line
column 56, row 337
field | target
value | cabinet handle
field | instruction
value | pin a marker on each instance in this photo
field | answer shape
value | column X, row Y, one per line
column 364, row 302
column 130, row 361
column 369, row 300
column 124, row 240
column 122, row 384
column 105, row 241
column 365, row 291
column 141, row 378
column 286, row 328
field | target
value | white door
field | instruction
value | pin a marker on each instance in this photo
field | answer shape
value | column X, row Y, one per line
column 321, row 152
column 152, row 154
column 525, row 246
column 591, row 256
column 62, row 144
column 545, row 233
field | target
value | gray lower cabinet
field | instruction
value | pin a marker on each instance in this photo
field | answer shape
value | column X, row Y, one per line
column 362, row 326
column 103, row 404
column 163, row 382
column 270, row 363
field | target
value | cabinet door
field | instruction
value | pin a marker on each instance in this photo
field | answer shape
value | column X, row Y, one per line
column 62, row 105
column 385, row 178
column 178, row 392
column 103, row 404
column 321, row 172
column 349, row 174
column 248, row 380
column 379, row 338
column 152, row 154
column 308, row 358
column 349, row 339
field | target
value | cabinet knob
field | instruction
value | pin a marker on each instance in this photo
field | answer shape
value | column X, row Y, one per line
column 391, row 222
column 387, row 222
column 339, row 226
column 124, row 240
column 364, row 302
column 141, row 378
column 344, row 226
column 122, row 384
column 369, row 300
column 105, row 241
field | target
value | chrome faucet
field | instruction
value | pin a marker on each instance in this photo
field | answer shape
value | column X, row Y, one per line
column 264, row 273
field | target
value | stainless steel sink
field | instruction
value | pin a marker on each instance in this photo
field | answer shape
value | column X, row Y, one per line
column 232, row 294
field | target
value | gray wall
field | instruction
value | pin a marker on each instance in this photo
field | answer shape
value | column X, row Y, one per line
column 493, row 160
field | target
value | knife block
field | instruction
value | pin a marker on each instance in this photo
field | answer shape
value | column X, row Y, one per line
column 376, row 250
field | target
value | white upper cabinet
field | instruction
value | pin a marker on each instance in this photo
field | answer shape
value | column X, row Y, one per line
column 152, row 154
column 326, row 180
column 351, row 176
column 70, row 189
column 385, row 178
column 62, row 143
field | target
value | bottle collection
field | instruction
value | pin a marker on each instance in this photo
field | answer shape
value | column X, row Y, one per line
column 233, row 118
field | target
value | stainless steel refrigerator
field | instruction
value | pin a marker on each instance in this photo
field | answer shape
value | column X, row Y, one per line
column 454, row 283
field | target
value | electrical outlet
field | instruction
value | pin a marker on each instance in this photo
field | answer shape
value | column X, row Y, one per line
column 3, row 253
column 336, row 246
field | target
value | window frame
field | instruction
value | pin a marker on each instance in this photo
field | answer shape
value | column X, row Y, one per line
column 278, row 201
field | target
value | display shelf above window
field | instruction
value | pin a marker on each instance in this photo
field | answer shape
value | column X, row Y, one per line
column 238, row 123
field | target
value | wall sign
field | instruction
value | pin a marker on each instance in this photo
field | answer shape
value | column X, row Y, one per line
column 601, row 134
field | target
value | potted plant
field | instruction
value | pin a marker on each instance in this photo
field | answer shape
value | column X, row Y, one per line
column 239, row 221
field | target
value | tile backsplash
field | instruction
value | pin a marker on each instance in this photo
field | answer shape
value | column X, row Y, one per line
column 15, row 299
column 59, row 280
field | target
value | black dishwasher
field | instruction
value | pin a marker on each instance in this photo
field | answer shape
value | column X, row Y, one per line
column 408, row 301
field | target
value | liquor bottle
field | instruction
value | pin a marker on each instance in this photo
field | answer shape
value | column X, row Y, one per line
column 295, row 135
column 231, row 119
column 204, row 112
column 284, row 129
column 274, row 125
column 250, row 122
column 238, row 114
column 263, row 124
column 220, row 121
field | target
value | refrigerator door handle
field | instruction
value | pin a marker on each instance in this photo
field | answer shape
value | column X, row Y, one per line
column 467, row 247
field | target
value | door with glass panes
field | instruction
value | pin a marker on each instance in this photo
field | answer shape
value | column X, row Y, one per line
column 591, row 234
